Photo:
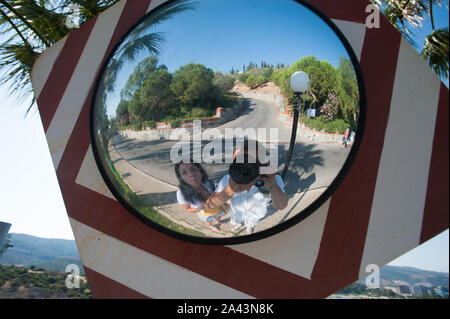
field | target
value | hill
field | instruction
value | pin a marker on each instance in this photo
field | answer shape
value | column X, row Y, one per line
column 50, row 254
column 32, row 283
column 410, row 275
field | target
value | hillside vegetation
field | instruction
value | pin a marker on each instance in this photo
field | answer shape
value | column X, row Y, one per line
column 50, row 254
column 37, row 283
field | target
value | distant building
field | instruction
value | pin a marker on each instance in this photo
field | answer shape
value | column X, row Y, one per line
column 442, row 291
column 421, row 290
column 403, row 287
column 394, row 289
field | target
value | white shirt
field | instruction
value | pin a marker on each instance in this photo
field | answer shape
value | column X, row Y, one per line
column 250, row 206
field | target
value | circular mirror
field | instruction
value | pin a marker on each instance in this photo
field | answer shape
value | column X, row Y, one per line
column 193, row 116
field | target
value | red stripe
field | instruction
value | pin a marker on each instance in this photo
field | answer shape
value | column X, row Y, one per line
column 342, row 243
column 348, row 10
column 249, row 275
column 132, row 11
column 435, row 218
column 62, row 71
column 336, row 265
column 103, row 287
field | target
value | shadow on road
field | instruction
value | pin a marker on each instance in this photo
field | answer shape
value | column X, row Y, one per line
column 160, row 199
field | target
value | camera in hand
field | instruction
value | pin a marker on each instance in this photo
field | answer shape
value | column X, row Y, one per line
column 243, row 173
column 247, row 172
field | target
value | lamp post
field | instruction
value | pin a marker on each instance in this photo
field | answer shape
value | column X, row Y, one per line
column 299, row 83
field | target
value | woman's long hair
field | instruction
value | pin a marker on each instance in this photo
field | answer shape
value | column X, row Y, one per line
column 188, row 192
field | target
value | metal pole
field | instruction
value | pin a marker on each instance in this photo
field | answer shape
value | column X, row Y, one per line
column 293, row 134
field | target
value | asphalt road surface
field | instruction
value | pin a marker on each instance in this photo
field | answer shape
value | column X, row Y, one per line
column 312, row 166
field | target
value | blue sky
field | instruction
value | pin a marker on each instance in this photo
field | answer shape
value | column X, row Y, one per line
column 31, row 198
column 222, row 34
column 228, row 33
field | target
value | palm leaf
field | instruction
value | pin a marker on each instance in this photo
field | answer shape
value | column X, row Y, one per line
column 435, row 51
column 17, row 61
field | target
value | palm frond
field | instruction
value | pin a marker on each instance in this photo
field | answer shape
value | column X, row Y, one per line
column 152, row 42
column 16, row 63
column 436, row 50
column 161, row 15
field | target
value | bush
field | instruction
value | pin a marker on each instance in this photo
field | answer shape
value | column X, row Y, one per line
column 330, row 127
column 261, row 80
column 149, row 124
column 137, row 126
column 198, row 112
column 125, row 127
column 175, row 123
column 251, row 81
column 243, row 77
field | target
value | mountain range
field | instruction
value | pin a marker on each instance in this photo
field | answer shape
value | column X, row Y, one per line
column 49, row 254
column 56, row 254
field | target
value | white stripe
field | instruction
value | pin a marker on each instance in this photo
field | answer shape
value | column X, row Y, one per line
column 44, row 65
column 295, row 249
column 142, row 271
column 89, row 176
column 399, row 198
column 354, row 33
column 154, row 4
column 76, row 92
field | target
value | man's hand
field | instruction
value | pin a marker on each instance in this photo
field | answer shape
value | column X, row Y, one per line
column 269, row 180
column 217, row 200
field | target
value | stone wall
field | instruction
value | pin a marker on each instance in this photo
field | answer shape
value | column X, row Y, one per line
column 164, row 131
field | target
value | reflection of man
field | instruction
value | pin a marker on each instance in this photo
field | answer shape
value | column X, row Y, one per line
column 248, row 204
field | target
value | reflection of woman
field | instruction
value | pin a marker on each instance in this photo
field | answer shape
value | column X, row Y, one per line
column 194, row 189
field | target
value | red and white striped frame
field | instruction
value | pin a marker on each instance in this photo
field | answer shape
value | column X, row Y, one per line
column 394, row 197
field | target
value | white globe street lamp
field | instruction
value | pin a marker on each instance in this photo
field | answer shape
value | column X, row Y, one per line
column 299, row 83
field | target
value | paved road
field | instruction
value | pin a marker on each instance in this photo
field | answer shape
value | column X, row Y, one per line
column 313, row 166
column 260, row 115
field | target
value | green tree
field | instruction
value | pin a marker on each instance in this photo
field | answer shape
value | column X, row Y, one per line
column 122, row 114
column 193, row 86
column 224, row 82
column 347, row 90
column 407, row 14
column 242, row 77
column 260, row 80
column 141, row 71
column 322, row 77
column 251, row 81
column 156, row 95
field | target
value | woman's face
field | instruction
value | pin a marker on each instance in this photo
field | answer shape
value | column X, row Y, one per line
column 190, row 174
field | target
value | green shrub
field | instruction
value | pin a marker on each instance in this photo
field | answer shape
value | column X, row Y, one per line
column 137, row 126
column 198, row 112
column 175, row 123
column 126, row 127
column 319, row 124
column 242, row 77
column 149, row 124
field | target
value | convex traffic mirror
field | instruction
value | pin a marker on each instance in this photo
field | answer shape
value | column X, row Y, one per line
column 192, row 117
